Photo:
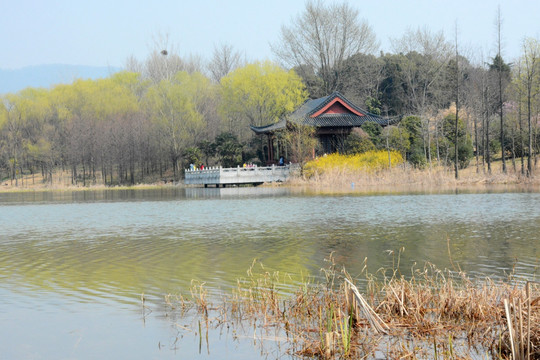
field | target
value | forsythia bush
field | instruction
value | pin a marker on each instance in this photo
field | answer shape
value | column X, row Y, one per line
column 369, row 161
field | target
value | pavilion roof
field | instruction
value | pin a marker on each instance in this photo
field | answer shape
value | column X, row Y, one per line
column 333, row 110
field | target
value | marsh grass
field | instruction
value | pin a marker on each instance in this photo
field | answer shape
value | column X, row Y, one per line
column 430, row 314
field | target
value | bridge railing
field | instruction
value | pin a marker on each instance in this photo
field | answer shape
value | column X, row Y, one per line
column 238, row 175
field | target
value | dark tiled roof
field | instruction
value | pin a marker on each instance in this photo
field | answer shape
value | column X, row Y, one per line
column 310, row 106
column 269, row 128
column 302, row 115
column 345, row 120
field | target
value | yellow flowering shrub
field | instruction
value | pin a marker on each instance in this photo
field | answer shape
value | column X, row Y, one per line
column 368, row 161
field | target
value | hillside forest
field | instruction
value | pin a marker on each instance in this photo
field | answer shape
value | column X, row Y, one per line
column 459, row 107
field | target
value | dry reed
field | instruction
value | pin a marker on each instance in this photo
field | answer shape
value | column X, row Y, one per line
column 404, row 177
column 431, row 314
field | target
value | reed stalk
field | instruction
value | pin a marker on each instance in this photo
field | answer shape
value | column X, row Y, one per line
column 398, row 316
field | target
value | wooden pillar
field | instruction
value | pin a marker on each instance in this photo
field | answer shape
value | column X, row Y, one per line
column 278, row 151
column 270, row 148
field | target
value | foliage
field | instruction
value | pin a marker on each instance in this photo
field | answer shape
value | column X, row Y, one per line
column 369, row 161
column 415, row 152
column 193, row 155
column 358, row 142
column 229, row 150
column 373, row 105
column 417, row 157
column 374, row 131
column 208, row 149
column 258, row 94
column 141, row 125
column 398, row 139
column 465, row 147
column 173, row 104
column 499, row 65
column 301, row 141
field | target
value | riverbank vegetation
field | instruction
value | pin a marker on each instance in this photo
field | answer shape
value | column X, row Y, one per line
column 143, row 125
column 428, row 314
column 405, row 177
column 366, row 162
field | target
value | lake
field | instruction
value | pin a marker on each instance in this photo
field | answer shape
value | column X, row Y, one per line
column 75, row 266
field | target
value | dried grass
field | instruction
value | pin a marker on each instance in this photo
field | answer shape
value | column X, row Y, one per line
column 407, row 178
column 431, row 314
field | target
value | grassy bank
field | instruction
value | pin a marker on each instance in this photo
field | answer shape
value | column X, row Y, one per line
column 401, row 177
column 429, row 314
column 61, row 181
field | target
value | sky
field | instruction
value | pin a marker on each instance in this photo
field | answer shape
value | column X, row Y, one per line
column 107, row 32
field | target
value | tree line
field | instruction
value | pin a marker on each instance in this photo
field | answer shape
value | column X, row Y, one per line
column 165, row 112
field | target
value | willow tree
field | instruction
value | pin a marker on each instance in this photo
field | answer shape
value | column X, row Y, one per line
column 118, row 129
column 172, row 106
column 23, row 131
column 321, row 38
column 11, row 136
column 258, row 94
column 39, row 145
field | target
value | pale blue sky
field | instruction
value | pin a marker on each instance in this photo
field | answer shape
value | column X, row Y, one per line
column 105, row 33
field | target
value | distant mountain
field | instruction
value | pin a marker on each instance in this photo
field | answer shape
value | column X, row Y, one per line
column 12, row 81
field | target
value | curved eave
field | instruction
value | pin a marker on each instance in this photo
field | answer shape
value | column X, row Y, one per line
column 267, row 129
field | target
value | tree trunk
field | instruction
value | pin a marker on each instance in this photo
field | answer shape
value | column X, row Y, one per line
column 476, row 142
column 456, row 157
column 522, row 143
column 84, row 174
column 513, row 149
column 529, row 159
column 502, row 123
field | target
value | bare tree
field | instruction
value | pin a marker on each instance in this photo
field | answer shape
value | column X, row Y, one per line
column 456, row 157
column 500, row 64
column 426, row 56
column 162, row 65
column 193, row 63
column 531, row 56
column 322, row 38
column 163, row 62
column 224, row 60
column 133, row 65
column 362, row 78
column 517, row 91
column 301, row 141
column 474, row 100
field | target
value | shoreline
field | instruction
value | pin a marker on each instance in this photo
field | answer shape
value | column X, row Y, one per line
column 337, row 181
column 308, row 187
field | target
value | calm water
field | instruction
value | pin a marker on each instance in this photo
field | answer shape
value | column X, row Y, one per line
column 73, row 266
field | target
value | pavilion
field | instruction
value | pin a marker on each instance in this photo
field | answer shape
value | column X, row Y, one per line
column 333, row 117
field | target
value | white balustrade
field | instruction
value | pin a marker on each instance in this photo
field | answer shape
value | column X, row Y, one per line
column 239, row 175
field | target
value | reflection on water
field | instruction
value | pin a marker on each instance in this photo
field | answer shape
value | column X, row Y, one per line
column 62, row 253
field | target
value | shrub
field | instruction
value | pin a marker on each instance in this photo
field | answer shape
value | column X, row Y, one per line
column 358, row 142
column 369, row 161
